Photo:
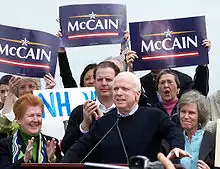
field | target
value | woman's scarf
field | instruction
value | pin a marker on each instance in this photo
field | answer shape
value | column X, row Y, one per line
column 19, row 148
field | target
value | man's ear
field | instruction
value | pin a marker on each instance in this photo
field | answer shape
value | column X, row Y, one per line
column 137, row 97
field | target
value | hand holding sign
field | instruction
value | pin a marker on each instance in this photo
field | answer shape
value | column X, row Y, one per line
column 169, row 43
column 13, row 82
column 130, row 58
column 50, row 81
column 206, row 43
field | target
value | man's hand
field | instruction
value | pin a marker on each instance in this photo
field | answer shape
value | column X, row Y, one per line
column 50, row 81
column 126, row 35
column 178, row 153
column 28, row 152
column 206, row 43
column 165, row 161
column 97, row 114
column 51, row 149
column 89, row 109
column 130, row 57
column 202, row 165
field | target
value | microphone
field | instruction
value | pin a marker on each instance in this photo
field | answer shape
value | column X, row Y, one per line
column 122, row 141
column 142, row 162
column 103, row 137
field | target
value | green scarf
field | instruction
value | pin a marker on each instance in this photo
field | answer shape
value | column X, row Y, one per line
column 20, row 142
column 27, row 137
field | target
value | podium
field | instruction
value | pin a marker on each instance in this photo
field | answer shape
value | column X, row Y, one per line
column 52, row 166
column 66, row 166
column 70, row 165
column 60, row 166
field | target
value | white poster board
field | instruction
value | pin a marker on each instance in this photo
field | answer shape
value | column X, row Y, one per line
column 58, row 105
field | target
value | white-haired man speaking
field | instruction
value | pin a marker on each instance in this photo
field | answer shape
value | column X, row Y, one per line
column 138, row 132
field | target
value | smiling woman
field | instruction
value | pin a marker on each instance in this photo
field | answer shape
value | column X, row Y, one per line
column 28, row 144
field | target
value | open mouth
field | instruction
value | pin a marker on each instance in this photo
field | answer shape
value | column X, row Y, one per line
column 120, row 100
column 167, row 92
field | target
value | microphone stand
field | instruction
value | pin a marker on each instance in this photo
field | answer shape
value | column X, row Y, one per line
column 101, row 139
column 122, row 142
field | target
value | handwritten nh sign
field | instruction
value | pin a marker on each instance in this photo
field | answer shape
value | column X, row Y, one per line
column 58, row 106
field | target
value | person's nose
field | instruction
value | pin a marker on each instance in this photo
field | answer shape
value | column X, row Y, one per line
column 166, row 84
column 119, row 92
column 6, row 93
column 186, row 115
column 28, row 90
column 35, row 118
column 92, row 81
column 104, row 82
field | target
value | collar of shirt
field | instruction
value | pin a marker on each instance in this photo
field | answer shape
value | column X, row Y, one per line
column 192, row 148
column 129, row 114
column 103, row 108
column 198, row 134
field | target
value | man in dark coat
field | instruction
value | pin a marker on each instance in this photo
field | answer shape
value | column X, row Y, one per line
column 128, row 130
column 81, row 117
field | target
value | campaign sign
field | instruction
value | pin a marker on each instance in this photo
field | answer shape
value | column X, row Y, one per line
column 27, row 52
column 169, row 43
column 92, row 24
column 58, row 105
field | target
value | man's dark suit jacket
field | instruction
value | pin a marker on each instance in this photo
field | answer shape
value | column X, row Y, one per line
column 72, row 133
column 142, row 133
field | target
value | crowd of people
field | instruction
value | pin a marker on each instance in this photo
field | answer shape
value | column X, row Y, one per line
column 164, row 111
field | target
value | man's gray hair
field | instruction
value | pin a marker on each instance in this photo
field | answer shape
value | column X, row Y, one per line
column 194, row 97
column 133, row 77
column 123, row 65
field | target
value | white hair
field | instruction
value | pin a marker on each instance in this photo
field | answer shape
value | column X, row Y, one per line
column 116, row 60
column 133, row 77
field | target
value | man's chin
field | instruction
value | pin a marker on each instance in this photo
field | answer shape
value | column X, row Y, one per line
column 105, row 94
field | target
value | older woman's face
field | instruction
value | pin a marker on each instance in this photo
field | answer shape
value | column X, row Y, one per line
column 26, row 87
column 31, row 121
column 167, row 87
column 189, row 117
